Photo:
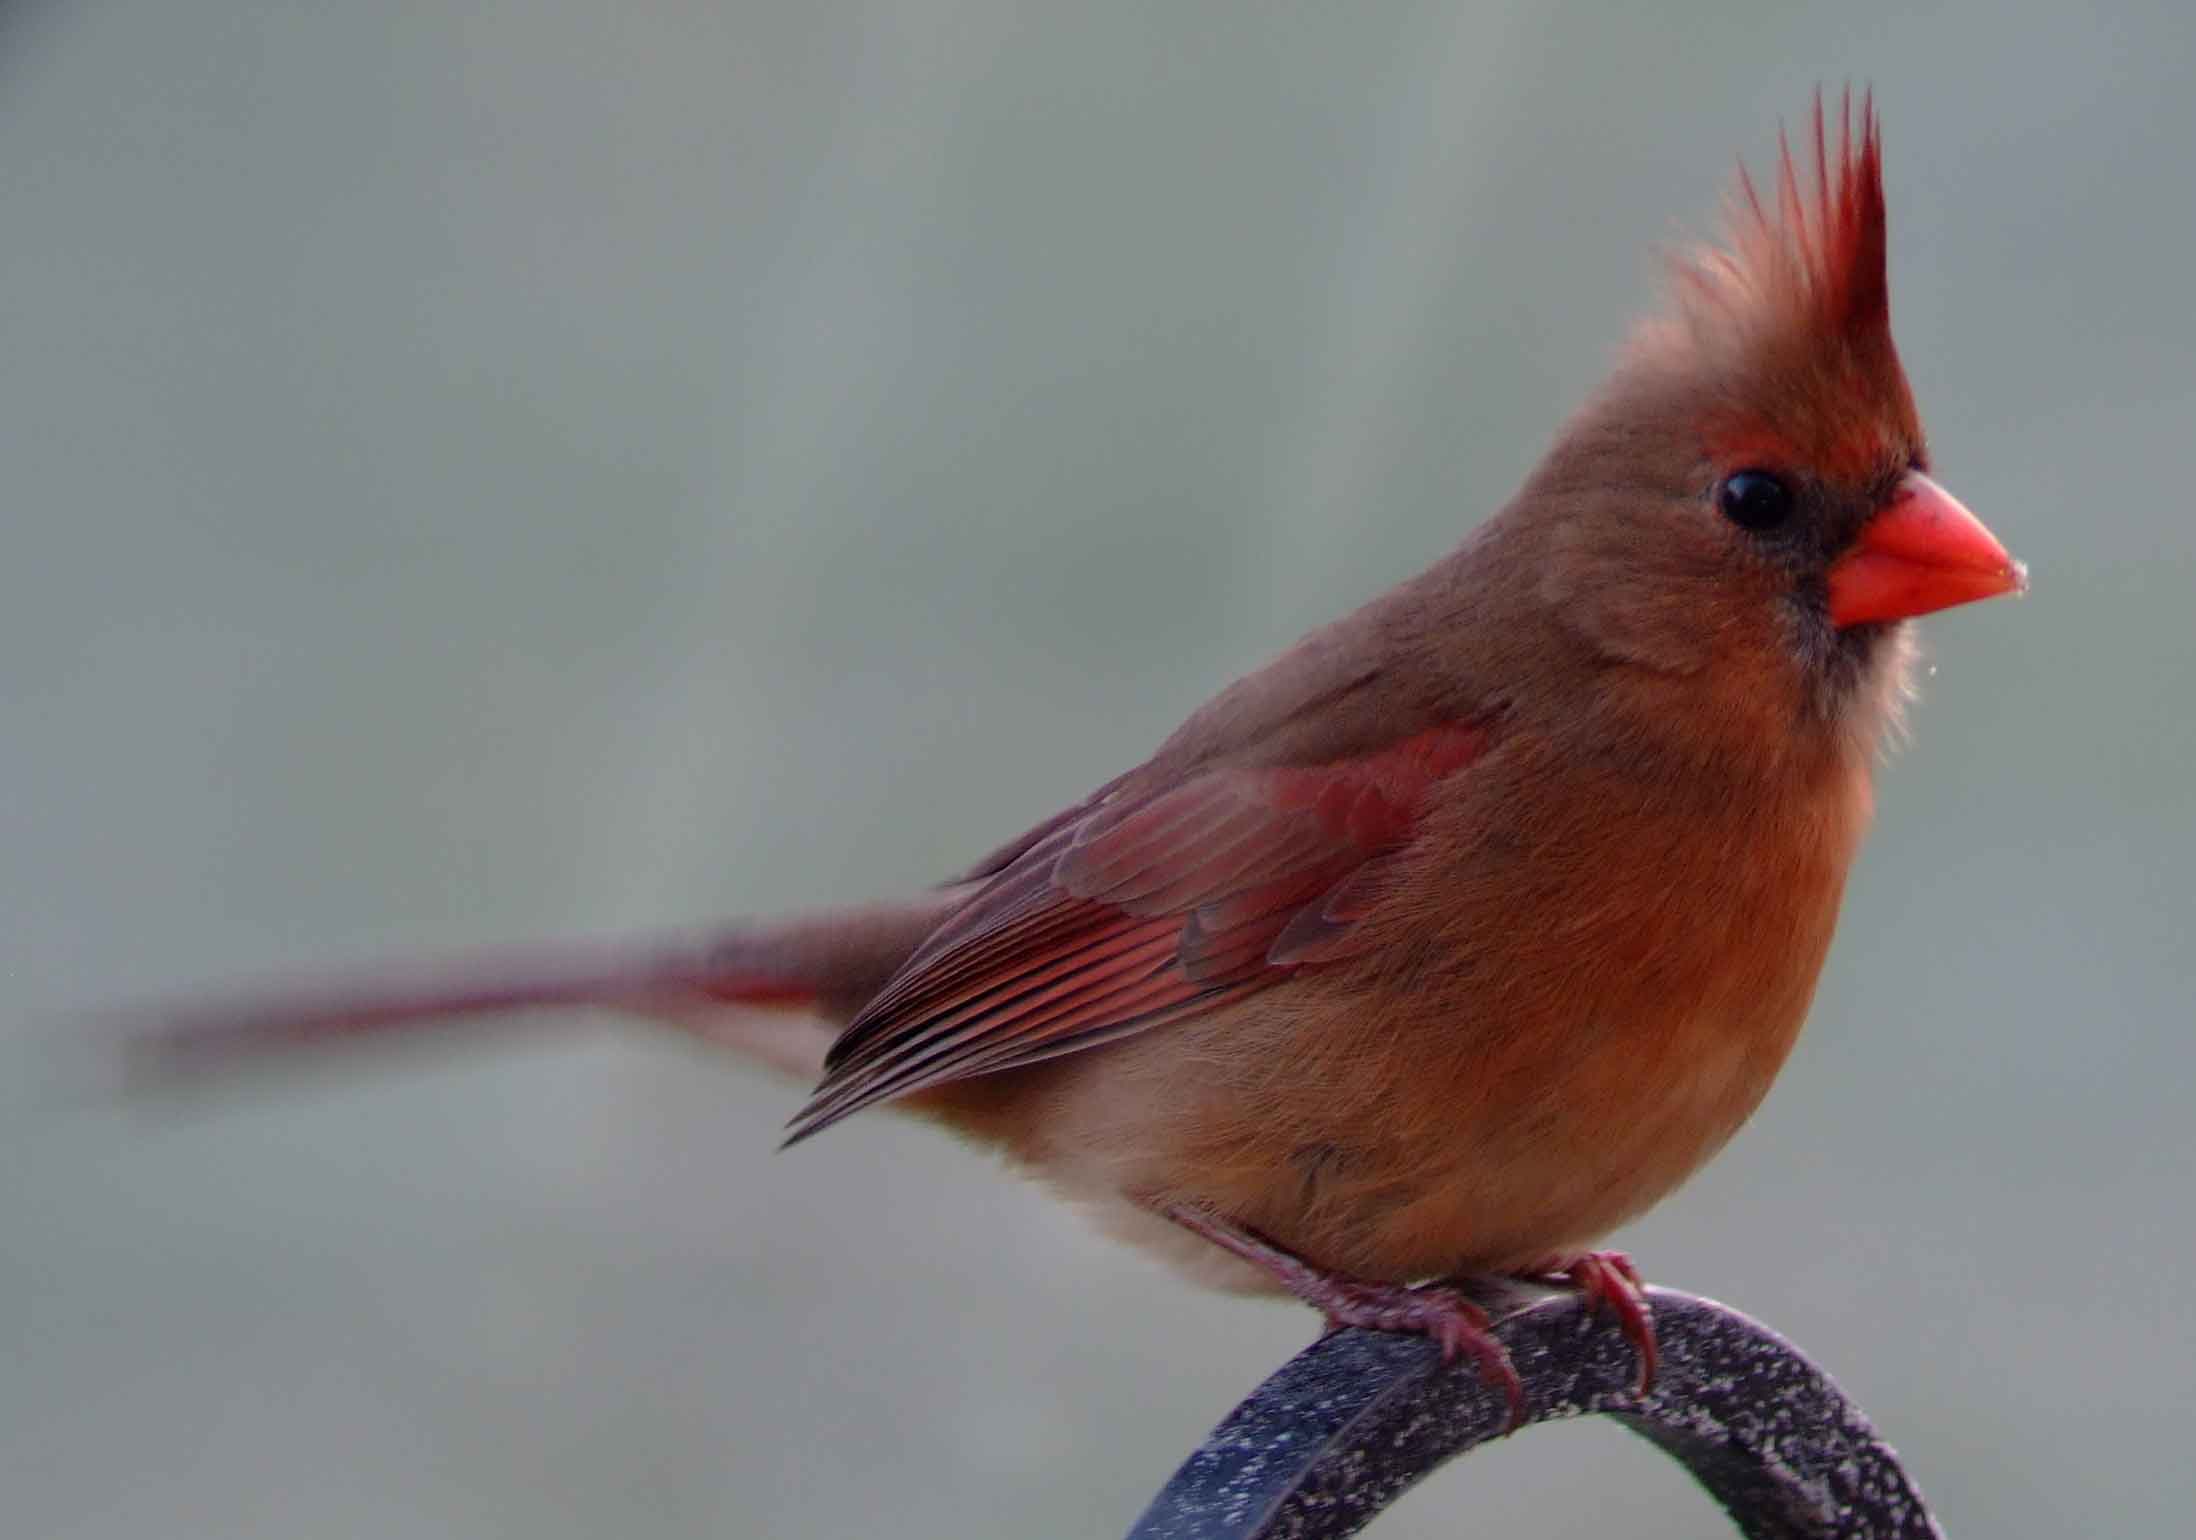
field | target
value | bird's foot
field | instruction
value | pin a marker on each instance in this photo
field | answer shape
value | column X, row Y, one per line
column 1608, row 1278
column 1457, row 1325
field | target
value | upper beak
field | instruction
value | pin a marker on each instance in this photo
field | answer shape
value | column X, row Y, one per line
column 1921, row 551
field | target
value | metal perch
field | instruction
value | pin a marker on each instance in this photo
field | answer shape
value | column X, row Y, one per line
column 1340, row 1432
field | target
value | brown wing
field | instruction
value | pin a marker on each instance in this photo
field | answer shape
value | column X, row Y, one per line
column 1140, row 910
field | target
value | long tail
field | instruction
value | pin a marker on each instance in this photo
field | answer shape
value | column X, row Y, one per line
column 812, row 974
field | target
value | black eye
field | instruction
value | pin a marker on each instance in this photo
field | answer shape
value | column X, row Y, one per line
column 1755, row 500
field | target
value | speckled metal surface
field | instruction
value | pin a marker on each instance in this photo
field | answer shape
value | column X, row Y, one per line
column 1337, row 1435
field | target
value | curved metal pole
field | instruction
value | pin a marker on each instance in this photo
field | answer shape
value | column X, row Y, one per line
column 1344, row 1427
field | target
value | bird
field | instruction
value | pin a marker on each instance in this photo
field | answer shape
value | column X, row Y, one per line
column 1468, row 927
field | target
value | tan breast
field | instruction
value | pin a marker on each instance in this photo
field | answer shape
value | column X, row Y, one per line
column 1560, row 1023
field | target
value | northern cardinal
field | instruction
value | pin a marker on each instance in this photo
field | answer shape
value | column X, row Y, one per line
column 1468, row 927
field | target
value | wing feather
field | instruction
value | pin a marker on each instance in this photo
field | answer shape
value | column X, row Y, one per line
column 1139, row 909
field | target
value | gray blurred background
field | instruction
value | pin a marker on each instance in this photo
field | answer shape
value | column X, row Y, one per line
column 483, row 469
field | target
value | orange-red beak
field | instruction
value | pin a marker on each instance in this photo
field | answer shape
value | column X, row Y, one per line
column 1922, row 551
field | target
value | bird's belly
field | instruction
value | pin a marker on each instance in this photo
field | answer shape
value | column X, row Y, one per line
column 1439, row 1144
column 1481, row 1095
column 1537, row 1160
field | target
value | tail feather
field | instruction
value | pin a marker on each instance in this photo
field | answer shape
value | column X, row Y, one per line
column 825, row 966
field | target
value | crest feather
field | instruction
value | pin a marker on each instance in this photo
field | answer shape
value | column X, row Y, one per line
column 1784, row 331
column 1815, row 261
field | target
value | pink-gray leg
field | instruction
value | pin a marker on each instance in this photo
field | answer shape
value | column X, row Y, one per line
column 1457, row 1325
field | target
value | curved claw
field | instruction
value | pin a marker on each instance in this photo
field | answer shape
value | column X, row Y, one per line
column 1433, row 1310
column 1458, row 1326
column 1608, row 1278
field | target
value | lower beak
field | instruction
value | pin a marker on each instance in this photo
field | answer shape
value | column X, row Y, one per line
column 1921, row 551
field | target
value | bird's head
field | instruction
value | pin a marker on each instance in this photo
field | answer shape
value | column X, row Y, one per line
column 1750, row 492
